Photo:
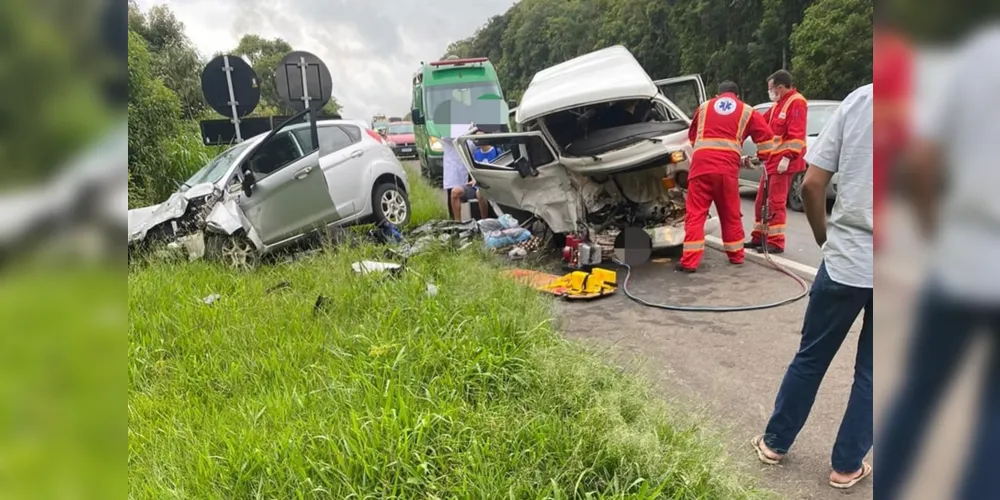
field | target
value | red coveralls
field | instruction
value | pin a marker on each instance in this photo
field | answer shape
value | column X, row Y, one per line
column 717, row 133
column 787, row 119
column 892, row 69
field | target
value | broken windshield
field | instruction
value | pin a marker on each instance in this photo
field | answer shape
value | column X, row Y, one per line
column 215, row 169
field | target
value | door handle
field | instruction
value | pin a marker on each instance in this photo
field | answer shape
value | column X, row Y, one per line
column 358, row 153
column 301, row 174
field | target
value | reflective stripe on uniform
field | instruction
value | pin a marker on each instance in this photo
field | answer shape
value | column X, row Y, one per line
column 795, row 145
column 694, row 246
column 765, row 146
column 723, row 144
column 744, row 120
column 776, row 229
column 702, row 116
column 732, row 246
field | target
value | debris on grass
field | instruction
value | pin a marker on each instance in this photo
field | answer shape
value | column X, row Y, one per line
column 211, row 299
column 370, row 266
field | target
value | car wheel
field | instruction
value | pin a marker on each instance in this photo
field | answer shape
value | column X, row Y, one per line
column 795, row 193
column 236, row 251
column 390, row 203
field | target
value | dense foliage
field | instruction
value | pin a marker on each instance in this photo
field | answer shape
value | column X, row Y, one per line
column 165, row 100
column 741, row 40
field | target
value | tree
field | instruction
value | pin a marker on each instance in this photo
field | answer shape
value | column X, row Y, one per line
column 833, row 47
column 153, row 112
column 173, row 57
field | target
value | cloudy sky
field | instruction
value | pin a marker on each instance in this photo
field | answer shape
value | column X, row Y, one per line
column 371, row 47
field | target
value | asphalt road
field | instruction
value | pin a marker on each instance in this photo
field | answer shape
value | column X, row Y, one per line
column 799, row 244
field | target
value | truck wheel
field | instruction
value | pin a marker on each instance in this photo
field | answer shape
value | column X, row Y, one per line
column 390, row 203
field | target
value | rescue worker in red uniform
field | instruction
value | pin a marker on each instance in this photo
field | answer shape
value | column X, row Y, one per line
column 787, row 118
column 717, row 133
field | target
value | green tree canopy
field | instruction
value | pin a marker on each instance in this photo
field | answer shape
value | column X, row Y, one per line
column 833, row 48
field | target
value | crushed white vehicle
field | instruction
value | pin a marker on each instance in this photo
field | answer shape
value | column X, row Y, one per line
column 274, row 189
column 597, row 147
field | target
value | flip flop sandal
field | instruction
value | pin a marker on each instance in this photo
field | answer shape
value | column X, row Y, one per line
column 866, row 470
column 757, row 442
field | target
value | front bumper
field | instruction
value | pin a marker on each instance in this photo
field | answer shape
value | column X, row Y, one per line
column 435, row 166
column 405, row 150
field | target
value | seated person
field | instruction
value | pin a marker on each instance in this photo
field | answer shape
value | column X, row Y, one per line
column 464, row 193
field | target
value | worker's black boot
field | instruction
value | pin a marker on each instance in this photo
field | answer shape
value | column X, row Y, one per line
column 771, row 250
column 683, row 269
column 751, row 245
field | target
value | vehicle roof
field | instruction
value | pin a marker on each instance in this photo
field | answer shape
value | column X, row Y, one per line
column 603, row 75
column 320, row 123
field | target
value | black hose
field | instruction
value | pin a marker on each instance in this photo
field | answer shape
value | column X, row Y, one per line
column 752, row 307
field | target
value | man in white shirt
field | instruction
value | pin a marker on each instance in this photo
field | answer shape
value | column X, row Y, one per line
column 843, row 289
column 955, row 173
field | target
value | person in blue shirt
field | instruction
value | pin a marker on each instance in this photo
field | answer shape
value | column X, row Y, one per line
column 485, row 154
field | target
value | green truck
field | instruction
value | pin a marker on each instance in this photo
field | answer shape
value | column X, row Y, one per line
column 455, row 90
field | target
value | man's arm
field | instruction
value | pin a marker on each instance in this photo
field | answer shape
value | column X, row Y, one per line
column 693, row 129
column 922, row 164
column 814, row 200
column 762, row 135
column 794, row 140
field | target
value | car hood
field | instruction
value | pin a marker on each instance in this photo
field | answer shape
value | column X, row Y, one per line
column 604, row 75
column 400, row 138
column 141, row 220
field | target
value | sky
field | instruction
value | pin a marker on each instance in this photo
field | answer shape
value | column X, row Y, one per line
column 372, row 48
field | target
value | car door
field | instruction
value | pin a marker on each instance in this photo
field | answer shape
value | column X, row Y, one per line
column 289, row 194
column 527, row 176
column 686, row 92
column 343, row 161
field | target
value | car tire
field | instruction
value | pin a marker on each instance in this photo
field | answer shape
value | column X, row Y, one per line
column 390, row 203
column 795, row 201
column 235, row 251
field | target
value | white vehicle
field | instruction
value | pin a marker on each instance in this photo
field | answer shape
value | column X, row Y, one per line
column 277, row 187
column 597, row 147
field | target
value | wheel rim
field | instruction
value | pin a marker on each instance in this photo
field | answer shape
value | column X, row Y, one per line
column 795, row 193
column 393, row 207
column 237, row 253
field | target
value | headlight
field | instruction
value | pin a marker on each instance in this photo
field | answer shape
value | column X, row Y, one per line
column 436, row 145
column 677, row 157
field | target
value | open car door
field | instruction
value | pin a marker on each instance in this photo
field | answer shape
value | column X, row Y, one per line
column 285, row 191
column 687, row 92
column 526, row 176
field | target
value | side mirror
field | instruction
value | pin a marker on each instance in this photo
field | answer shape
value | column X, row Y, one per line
column 417, row 117
column 247, row 183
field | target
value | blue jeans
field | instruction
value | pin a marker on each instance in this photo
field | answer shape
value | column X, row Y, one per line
column 832, row 309
column 943, row 333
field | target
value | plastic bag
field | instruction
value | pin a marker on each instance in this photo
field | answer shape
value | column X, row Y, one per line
column 506, row 237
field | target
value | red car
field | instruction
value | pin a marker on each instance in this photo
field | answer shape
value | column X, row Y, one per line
column 399, row 135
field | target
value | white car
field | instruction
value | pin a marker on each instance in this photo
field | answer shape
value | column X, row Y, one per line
column 597, row 147
column 819, row 113
column 277, row 187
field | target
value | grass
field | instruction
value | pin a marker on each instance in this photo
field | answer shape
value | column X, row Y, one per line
column 388, row 391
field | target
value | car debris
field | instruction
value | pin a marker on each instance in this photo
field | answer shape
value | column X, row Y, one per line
column 211, row 299
column 369, row 266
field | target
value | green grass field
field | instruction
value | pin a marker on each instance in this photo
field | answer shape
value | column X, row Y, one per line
column 388, row 391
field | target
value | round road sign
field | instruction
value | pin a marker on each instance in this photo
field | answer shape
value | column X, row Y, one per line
column 215, row 85
column 302, row 77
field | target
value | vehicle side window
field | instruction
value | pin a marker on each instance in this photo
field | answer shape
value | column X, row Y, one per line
column 353, row 132
column 304, row 136
column 279, row 151
column 333, row 139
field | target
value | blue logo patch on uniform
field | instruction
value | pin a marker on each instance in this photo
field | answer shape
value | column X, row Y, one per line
column 725, row 106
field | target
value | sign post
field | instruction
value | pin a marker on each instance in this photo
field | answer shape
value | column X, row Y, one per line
column 231, row 88
column 304, row 83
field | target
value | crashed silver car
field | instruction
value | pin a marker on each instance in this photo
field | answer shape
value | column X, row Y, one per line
column 271, row 190
column 597, row 147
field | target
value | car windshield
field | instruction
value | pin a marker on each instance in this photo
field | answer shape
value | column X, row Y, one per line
column 463, row 98
column 400, row 129
column 215, row 169
column 816, row 119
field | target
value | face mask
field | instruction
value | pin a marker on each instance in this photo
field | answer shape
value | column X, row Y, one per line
column 773, row 95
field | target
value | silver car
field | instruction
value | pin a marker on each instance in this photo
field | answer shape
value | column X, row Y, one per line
column 276, row 187
column 818, row 116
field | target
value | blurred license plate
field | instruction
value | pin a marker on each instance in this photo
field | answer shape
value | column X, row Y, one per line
column 405, row 150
